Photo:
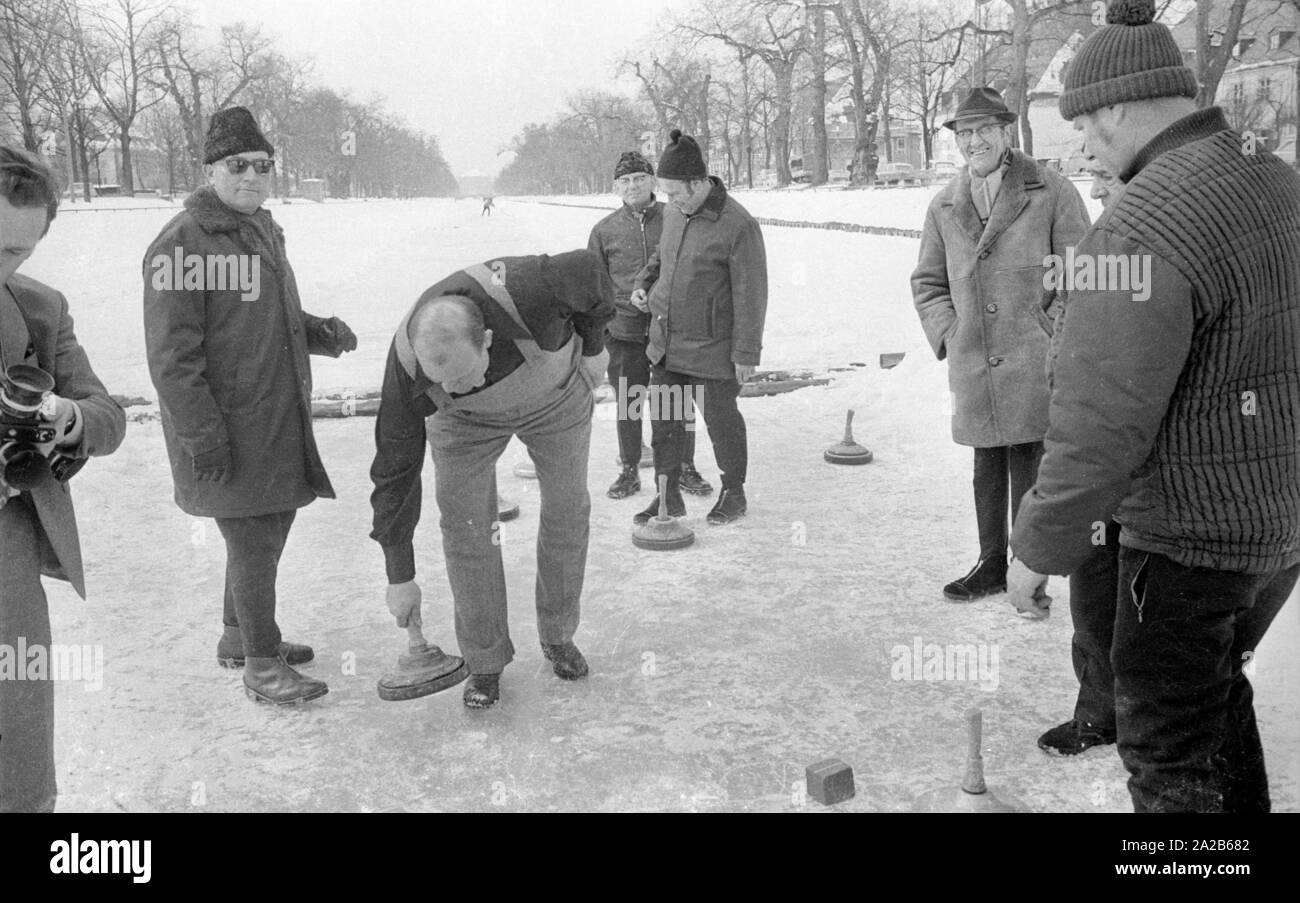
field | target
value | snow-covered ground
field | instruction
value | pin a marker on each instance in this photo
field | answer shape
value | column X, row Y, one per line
column 718, row 672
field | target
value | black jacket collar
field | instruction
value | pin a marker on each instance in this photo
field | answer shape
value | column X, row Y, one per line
column 1198, row 125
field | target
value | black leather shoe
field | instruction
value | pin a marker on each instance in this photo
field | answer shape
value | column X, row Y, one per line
column 676, row 508
column 692, row 482
column 628, row 483
column 272, row 681
column 566, row 660
column 292, row 653
column 482, row 691
column 985, row 579
column 731, row 506
column 1074, row 737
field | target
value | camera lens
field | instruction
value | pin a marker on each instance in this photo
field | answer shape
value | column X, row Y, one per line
column 24, row 467
column 25, row 386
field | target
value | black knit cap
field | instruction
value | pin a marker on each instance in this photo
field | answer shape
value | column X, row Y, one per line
column 681, row 159
column 233, row 131
column 632, row 162
column 1131, row 58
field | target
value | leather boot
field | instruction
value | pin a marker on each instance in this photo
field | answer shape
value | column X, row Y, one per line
column 272, row 681
column 731, row 507
column 482, row 691
column 692, row 482
column 628, row 483
column 566, row 660
column 989, row 576
column 230, row 650
column 676, row 507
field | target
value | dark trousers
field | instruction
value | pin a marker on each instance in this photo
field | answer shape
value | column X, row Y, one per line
column 998, row 469
column 627, row 360
column 253, row 549
column 717, row 400
column 1093, row 590
column 27, row 772
column 1184, row 708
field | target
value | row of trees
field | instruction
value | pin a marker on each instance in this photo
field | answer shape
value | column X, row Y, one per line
column 80, row 76
column 747, row 77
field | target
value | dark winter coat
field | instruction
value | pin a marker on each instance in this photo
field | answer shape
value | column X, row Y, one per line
column 231, row 372
column 36, row 329
column 625, row 240
column 707, row 285
column 979, row 293
column 1180, row 412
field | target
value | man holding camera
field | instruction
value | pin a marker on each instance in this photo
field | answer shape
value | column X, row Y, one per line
column 230, row 365
column 38, row 528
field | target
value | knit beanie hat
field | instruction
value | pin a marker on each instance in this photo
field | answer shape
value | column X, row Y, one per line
column 632, row 162
column 1133, row 57
column 681, row 159
column 233, row 131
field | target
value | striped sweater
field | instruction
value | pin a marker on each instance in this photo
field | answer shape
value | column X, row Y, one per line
column 1176, row 404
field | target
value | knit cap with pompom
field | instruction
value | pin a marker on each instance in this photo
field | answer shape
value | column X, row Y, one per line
column 1133, row 57
column 681, row 159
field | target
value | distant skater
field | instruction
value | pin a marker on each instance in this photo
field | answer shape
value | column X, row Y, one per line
column 487, row 206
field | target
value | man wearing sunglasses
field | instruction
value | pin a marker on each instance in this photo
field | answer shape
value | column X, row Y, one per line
column 978, row 288
column 228, row 343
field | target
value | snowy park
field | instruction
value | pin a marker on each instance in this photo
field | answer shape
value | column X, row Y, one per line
column 814, row 628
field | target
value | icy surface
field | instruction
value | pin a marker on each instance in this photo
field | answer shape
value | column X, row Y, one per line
column 718, row 673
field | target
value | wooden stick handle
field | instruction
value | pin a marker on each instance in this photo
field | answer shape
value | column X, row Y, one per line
column 974, row 780
column 663, row 495
column 415, row 635
column 848, row 428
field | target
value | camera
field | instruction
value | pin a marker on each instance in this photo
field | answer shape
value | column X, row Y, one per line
column 23, row 389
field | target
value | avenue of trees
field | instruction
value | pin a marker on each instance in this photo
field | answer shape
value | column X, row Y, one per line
column 140, row 79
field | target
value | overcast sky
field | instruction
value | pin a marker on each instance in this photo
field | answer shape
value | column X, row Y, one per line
column 472, row 72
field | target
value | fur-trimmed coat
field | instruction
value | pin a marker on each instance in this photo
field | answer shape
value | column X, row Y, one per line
column 232, row 370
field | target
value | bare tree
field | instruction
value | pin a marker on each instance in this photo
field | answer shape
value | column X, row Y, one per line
column 775, row 32
column 933, row 48
column 819, row 170
column 871, row 36
column 201, row 79
column 677, row 87
column 25, row 39
column 1215, row 44
column 116, row 41
column 71, row 100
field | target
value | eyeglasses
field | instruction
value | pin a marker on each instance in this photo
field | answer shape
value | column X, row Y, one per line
column 985, row 132
column 236, row 166
column 637, row 179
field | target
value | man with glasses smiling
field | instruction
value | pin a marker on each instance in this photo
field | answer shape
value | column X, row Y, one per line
column 625, row 240
column 234, row 392
column 978, row 288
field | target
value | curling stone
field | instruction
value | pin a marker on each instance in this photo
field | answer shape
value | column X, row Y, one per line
column 422, row 671
column 525, row 469
column 848, row 451
column 972, row 795
column 663, row 533
column 506, row 510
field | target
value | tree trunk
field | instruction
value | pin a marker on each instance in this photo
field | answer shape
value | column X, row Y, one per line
column 126, row 178
column 706, row 133
column 72, row 159
column 1018, row 88
column 1212, row 61
column 83, row 157
column 781, row 126
column 818, row 167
